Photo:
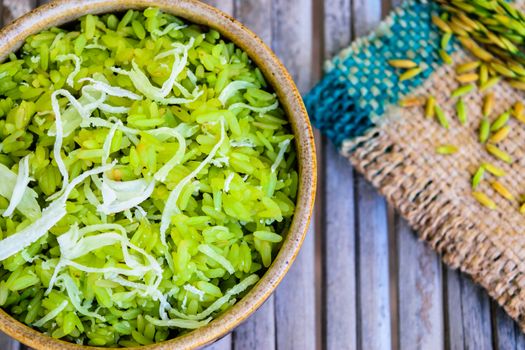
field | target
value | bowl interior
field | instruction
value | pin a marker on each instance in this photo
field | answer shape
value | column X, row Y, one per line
column 63, row 11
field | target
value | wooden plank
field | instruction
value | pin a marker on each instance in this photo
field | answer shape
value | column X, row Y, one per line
column 295, row 297
column 258, row 332
column 505, row 334
column 453, row 316
column 393, row 261
column 374, row 330
column 295, row 303
column 224, row 343
column 373, row 272
column 292, row 38
column 223, row 5
column 257, row 16
column 6, row 343
column 468, row 322
column 339, row 253
column 337, row 26
column 12, row 9
column 520, row 337
column 476, row 315
column 420, row 292
column 367, row 14
column 318, row 215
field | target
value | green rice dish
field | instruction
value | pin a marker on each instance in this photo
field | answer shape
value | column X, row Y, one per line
column 148, row 176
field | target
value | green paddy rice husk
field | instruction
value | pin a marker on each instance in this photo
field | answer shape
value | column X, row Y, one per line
column 148, row 178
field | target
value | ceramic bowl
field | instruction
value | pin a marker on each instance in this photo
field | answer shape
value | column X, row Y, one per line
column 60, row 12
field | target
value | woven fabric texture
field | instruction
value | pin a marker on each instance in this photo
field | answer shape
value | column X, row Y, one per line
column 359, row 82
column 395, row 149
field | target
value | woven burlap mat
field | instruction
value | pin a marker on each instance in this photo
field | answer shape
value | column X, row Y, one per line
column 433, row 192
column 356, row 106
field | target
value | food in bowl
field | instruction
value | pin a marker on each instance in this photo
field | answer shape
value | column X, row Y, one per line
column 148, row 177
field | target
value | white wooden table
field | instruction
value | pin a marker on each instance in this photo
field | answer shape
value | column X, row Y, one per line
column 362, row 281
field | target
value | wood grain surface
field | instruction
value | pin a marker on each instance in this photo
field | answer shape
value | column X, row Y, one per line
column 362, row 279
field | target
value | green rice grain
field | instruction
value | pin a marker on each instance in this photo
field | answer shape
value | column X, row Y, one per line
column 484, row 130
column 500, row 121
column 268, row 236
column 441, row 117
column 138, row 29
column 478, row 177
column 463, row 90
column 461, row 111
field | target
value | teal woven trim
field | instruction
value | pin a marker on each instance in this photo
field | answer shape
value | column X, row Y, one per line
column 359, row 83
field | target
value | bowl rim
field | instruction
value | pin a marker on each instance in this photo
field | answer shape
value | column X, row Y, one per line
column 60, row 12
